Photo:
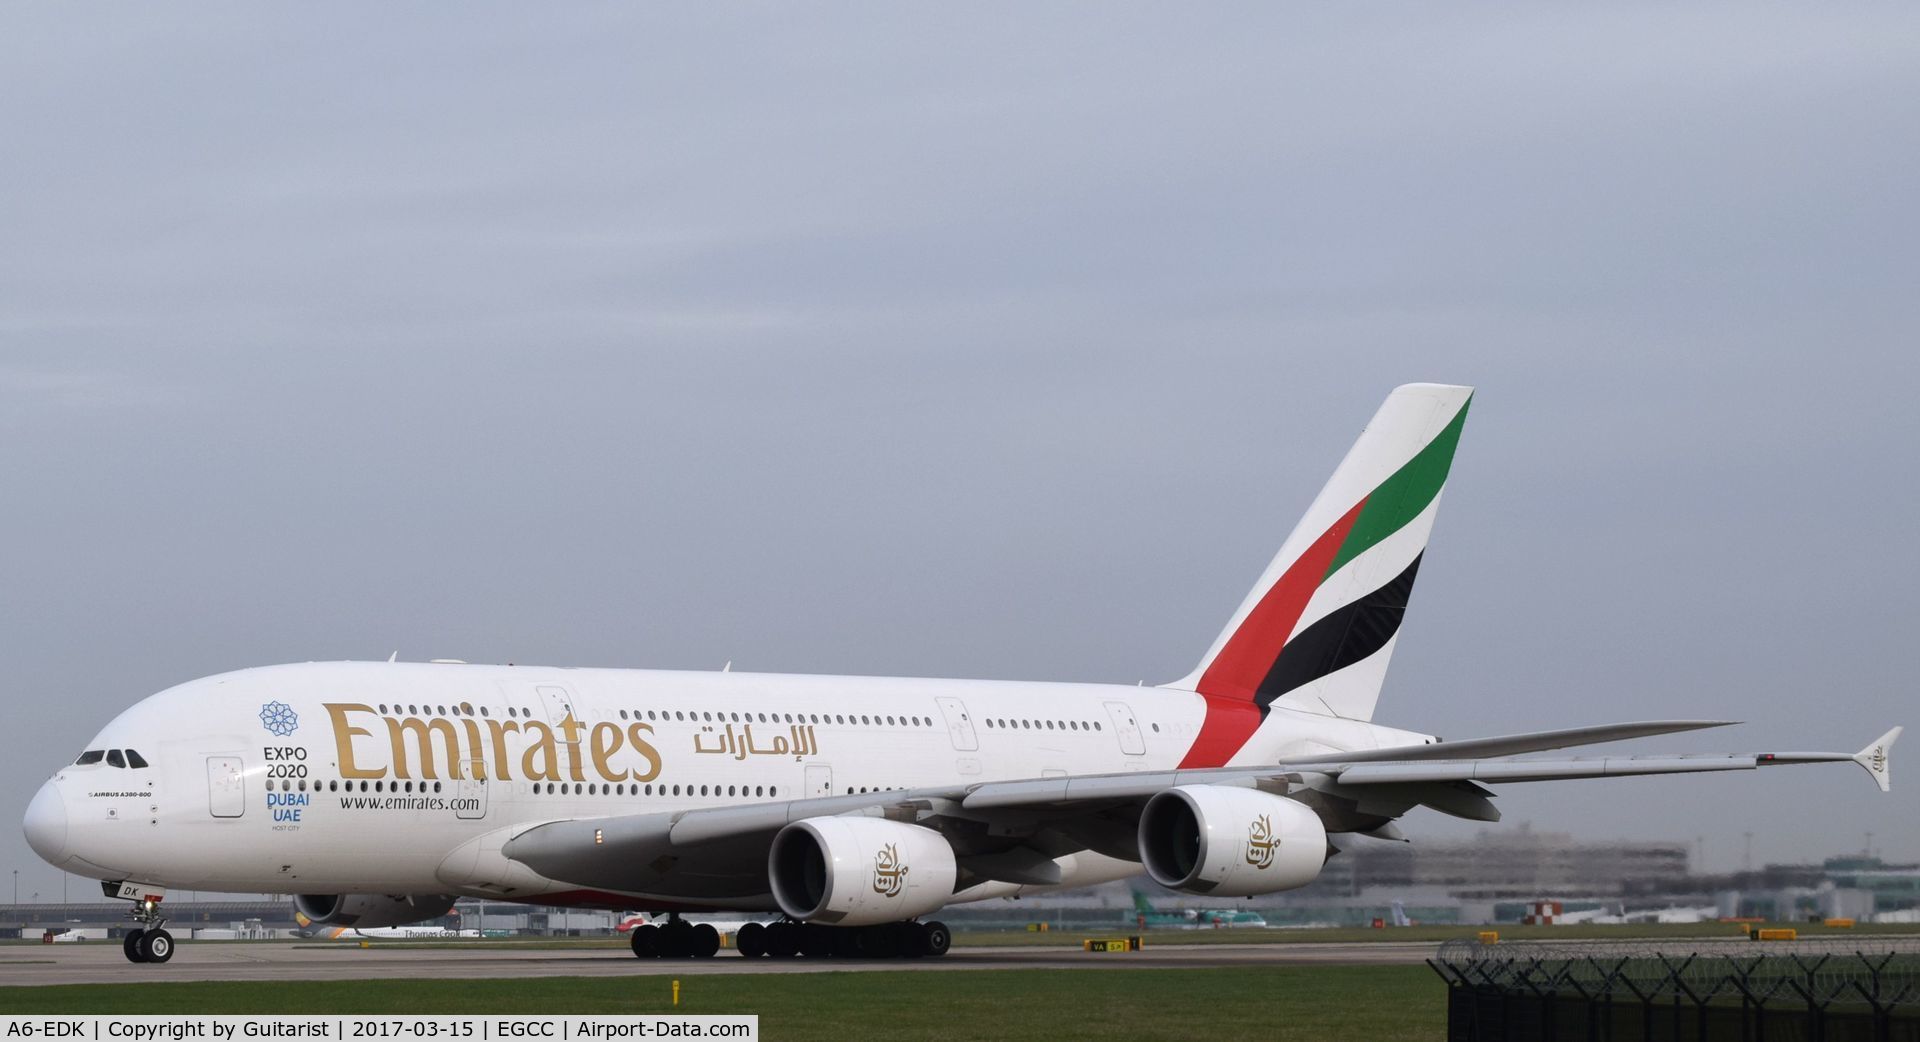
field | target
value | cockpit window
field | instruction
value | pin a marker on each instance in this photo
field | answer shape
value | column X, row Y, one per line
column 91, row 756
column 114, row 759
column 136, row 760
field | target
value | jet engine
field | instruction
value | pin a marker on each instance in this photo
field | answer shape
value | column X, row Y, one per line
column 1229, row 842
column 859, row 871
column 370, row 911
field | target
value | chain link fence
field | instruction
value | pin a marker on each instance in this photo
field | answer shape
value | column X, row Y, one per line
column 1825, row 989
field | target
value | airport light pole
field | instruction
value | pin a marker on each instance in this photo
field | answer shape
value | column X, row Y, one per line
column 16, row 886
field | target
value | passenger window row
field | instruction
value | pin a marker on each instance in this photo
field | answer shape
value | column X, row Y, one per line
column 685, row 716
column 538, row 788
column 289, row 785
column 840, row 719
column 591, row 789
column 1044, row 725
column 460, row 709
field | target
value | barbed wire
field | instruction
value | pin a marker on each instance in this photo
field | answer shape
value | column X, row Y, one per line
column 1837, row 968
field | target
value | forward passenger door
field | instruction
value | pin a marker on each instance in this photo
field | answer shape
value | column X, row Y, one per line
column 226, row 786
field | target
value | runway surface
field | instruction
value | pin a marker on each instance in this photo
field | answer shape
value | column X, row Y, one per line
column 101, row 962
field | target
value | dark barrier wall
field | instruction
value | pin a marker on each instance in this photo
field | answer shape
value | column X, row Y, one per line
column 1864, row 989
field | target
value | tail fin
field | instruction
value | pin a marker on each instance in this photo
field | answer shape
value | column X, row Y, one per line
column 1141, row 905
column 1317, row 630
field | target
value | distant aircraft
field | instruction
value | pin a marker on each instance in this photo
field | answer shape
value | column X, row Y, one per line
column 312, row 929
column 1616, row 913
column 414, row 933
column 1145, row 915
column 1695, row 914
column 379, row 792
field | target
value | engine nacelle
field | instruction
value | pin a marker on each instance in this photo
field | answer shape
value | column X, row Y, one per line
column 1229, row 842
column 859, row 871
column 370, row 911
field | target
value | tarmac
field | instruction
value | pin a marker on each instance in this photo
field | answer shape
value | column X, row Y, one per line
column 101, row 962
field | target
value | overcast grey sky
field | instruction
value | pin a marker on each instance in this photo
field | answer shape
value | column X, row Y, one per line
column 992, row 341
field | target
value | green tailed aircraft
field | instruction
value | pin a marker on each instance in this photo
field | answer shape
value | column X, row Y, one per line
column 1146, row 916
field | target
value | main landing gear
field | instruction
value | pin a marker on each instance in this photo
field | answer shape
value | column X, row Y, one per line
column 678, row 939
column 784, row 940
column 903, row 940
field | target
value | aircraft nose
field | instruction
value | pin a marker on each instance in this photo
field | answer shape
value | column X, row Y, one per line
column 46, row 824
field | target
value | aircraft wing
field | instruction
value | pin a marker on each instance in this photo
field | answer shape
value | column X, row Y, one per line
column 1875, row 758
column 1515, row 744
column 1372, row 769
column 1097, row 812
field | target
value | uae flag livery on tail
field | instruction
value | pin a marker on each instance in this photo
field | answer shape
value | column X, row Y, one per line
column 1317, row 631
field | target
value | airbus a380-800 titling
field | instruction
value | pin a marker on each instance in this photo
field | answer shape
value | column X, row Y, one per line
column 380, row 792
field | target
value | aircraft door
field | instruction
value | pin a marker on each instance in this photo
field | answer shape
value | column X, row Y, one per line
column 226, row 786
column 1127, row 729
column 819, row 780
column 472, row 790
column 556, row 700
column 959, row 724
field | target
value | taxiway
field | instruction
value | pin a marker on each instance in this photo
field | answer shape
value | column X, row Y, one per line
column 103, row 963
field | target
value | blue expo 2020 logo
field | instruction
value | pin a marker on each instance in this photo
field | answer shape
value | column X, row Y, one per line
column 279, row 718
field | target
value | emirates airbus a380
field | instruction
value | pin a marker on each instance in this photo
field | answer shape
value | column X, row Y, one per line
column 855, row 807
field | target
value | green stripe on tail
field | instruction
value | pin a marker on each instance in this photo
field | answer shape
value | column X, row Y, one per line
column 1402, row 497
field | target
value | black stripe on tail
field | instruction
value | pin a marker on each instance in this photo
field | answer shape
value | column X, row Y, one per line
column 1348, row 634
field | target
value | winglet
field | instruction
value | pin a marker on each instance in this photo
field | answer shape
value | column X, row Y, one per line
column 1877, row 758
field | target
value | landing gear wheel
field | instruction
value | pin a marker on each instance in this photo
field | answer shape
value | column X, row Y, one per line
column 646, row 942
column 131, row 945
column 705, row 941
column 156, row 946
column 846, row 942
column 751, row 940
column 939, row 938
column 816, row 941
column 879, row 942
column 782, row 940
column 676, row 941
column 909, row 940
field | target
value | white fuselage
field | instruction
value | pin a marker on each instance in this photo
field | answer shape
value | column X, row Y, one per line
column 407, row 778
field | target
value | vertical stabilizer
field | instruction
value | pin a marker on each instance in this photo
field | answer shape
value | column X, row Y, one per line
column 1318, row 629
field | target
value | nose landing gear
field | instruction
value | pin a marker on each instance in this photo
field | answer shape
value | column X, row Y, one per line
column 148, row 942
column 142, row 945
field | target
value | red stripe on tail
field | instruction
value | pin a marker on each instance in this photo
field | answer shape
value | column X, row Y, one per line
column 1233, row 678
